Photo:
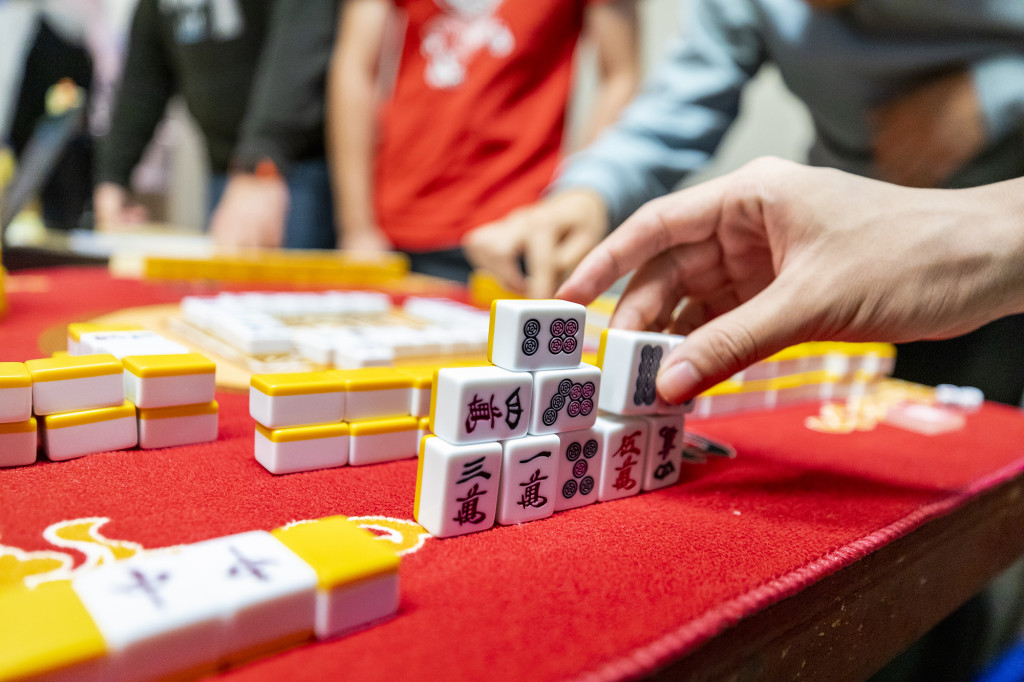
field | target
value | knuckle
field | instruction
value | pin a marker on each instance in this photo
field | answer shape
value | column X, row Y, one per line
column 731, row 345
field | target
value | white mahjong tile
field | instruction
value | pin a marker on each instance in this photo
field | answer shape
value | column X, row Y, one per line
column 383, row 440
column 664, row 450
column 624, row 456
column 159, row 614
column 457, row 486
column 267, row 593
column 529, row 479
column 629, row 363
column 564, row 399
column 580, row 456
column 529, row 335
column 479, row 404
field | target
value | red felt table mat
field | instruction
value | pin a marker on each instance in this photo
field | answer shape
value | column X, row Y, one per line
column 604, row 592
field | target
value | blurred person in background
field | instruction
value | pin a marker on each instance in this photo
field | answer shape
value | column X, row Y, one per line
column 251, row 73
column 474, row 125
column 919, row 94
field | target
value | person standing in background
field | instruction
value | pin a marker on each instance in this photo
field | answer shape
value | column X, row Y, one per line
column 474, row 125
column 252, row 75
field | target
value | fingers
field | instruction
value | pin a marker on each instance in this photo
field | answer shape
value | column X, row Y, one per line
column 715, row 351
column 496, row 247
column 540, row 254
column 658, row 285
column 689, row 215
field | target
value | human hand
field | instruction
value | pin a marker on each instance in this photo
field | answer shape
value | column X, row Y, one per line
column 115, row 210
column 552, row 236
column 924, row 136
column 777, row 253
column 251, row 213
column 365, row 240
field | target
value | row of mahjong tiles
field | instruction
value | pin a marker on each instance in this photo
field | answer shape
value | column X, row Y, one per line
column 78, row 405
column 190, row 610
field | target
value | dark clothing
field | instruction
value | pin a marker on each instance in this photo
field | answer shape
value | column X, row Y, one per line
column 67, row 191
column 230, row 60
column 987, row 358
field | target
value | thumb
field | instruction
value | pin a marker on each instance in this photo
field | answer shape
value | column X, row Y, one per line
column 727, row 344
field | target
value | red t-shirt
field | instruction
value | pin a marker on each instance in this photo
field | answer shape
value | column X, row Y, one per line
column 474, row 127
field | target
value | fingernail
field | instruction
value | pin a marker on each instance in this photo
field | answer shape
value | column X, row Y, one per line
column 678, row 381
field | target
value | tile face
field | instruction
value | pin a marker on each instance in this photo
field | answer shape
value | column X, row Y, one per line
column 457, row 486
column 629, row 364
column 529, row 478
column 532, row 335
column 664, row 451
column 157, row 612
column 480, row 404
column 564, row 399
column 267, row 593
column 624, row 456
column 579, row 468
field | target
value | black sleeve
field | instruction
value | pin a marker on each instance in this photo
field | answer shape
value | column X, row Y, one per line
column 285, row 117
column 147, row 83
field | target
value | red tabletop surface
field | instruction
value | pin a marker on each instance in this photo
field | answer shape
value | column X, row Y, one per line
column 606, row 591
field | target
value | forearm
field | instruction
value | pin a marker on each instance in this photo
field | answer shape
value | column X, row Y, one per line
column 612, row 97
column 352, row 135
column 675, row 124
column 1004, row 202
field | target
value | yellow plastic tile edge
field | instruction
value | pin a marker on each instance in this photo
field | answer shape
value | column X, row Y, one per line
column 372, row 379
column 419, row 476
column 73, row 367
column 14, row 375
column 178, row 411
column 297, row 383
column 373, row 427
column 339, row 551
column 100, row 414
column 76, row 329
column 45, row 629
column 26, row 426
column 146, row 366
column 296, row 433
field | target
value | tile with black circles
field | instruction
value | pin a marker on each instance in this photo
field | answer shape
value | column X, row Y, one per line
column 580, row 460
column 564, row 399
column 528, row 335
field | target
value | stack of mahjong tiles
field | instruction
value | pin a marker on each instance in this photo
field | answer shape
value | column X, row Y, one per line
column 279, row 332
column 193, row 609
column 80, row 404
column 171, row 388
column 332, row 418
column 120, row 340
column 808, row 372
column 522, row 439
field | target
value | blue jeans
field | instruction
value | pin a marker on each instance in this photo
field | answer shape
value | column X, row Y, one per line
column 309, row 223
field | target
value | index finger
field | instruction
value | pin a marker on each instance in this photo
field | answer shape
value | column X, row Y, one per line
column 686, row 216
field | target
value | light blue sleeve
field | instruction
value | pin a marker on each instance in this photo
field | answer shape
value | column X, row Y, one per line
column 675, row 124
column 1000, row 85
